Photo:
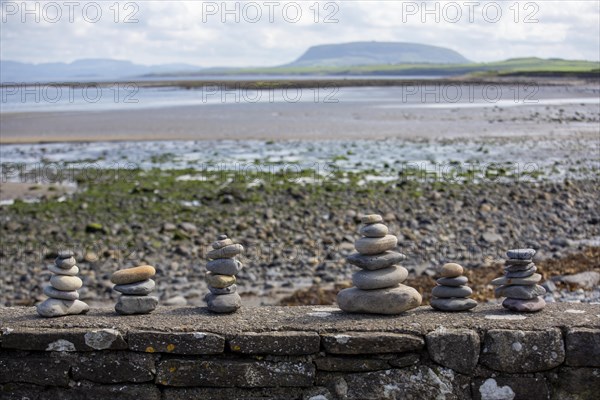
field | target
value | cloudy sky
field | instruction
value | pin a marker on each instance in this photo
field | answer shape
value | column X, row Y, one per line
column 271, row 32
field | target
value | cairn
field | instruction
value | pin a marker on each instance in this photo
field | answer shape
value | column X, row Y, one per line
column 135, row 284
column 222, row 268
column 64, row 298
column 452, row 292
column 378, row 286
column 519, row 283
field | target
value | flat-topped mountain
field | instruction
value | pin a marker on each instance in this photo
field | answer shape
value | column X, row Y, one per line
column 371, row 53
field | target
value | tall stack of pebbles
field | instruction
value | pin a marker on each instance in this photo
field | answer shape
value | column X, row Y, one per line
column 222, row 267
column 452, row 292
column 135, row 284
column 64, row 298
column 519, row 283
column 378, row 286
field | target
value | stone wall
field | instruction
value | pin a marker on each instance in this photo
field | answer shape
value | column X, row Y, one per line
column 313, row 353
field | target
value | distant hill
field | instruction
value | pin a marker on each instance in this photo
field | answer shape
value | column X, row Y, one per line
column 376, row 53
column 83, row 70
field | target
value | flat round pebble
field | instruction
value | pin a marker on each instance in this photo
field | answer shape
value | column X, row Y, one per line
column 518, row 267
column 128, row 305
column 60, row 294
column 376, row 261
column 227, row 290
column 66, row 253
column 219, row 244
column 132, row 275
column 388, row 301
column 521, row 274
column 451, row 270
column 454, row 304
column 451, row 291
column 521, row 254
column 374, row 230
column 520, row 292
column 530, row 280
column 224, row 266
column 65, row 263
column 137, row 288
column 371, row 219
column 518, row 305
column 221, row 237
column 456, row 281
column 371, row 246
column 74, row 270
column 379, row 279
column 226, row 252
column 66, row 283
column 223, row 303
column 59, row 308
column 516, row 263
column 219, row 281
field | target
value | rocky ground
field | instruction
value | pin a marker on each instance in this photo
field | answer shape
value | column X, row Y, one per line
column 296, row 235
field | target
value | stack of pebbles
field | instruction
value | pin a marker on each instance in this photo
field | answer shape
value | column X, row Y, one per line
column 519, row 283
column 222, row 267
column 451, row 293
column 64, row 298
column 135, row 284
column 378, row 286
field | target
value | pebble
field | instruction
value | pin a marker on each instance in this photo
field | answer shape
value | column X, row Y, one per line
column 456, row 281
column 377, row 261
column 74, row 270
column 58, row 308
column 66, row 283
column 128, row 305
column 521, row 274
column 453, row 304
column 371, row 219
column 530, row 280
column 65, row 263
column 520, row 292
column 137, row 288
column 520, row 254
column 371, row 246
column 515, row 263
column 451, row 270
column 449, row 291
column 132, row 275
column 227, row 290
column 381, row 278
column 219, row 281
column 394, row 300
column 224, row 266
column 223, row 303
column 518, row 267
column 221, row 237
column 226, row 252
column 176, row 301
column 374, row 230
column 66, row 253
column 533, row 305
column 60, row 294
column 219, row 244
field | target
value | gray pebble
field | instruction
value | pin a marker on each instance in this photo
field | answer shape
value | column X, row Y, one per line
column 138, row 288
column 520, row 292
column 454, row 304
column 59, row 308
column 74, row 270
column 66, row 253
column 521, row 274
column 227, row 290
column 456, row 281
column 374, row 230
column 377, row 261
column 379, row 279
column 60, row 294
column 65, row 263
column 394, row 300
column 530, row 280
column 65, row 282
column 128, row 305
column 225, row 303
column 516, row 263
column 533, row 305
column 370, row 246
column 226, row 252
column 521, row 254
column 517, row 268
column 451, row 291
column 224, row 266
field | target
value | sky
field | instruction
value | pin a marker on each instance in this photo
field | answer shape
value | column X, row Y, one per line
column 271, row 32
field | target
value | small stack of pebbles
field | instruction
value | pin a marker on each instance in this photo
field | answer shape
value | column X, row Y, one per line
column 222, row 267
column 135, row 284
column 451, row 293
column 64, row 298
column 519, row 283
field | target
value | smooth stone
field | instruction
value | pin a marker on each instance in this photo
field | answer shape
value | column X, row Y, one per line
column 533, row 305
column 58, row 308
column 379, row 279
column 446, row 292
column 530, row 280
column 61, row 294
column 521, row 274
column 66, row 254
column 521, row 254
column 74, row 270
column 132, row 275
column 221, row 237
column 454, row 304
column 371, row 246
column 374, row 230
column 225, row 266
column 65, row 263
column 456, row 281
column 219, row 281
column 451, row 270
column 128, row 305
column 520, row 292
column 226, row 252
column 137, row 289
column 219, row 244
column 377, row 261
column 389, row 301
column 516, row 263
column 227, row 290
column 225, row 303
column 66, row 283
column 517, row 268
column 371, row 219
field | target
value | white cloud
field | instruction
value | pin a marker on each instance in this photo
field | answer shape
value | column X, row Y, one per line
column 180, row 31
